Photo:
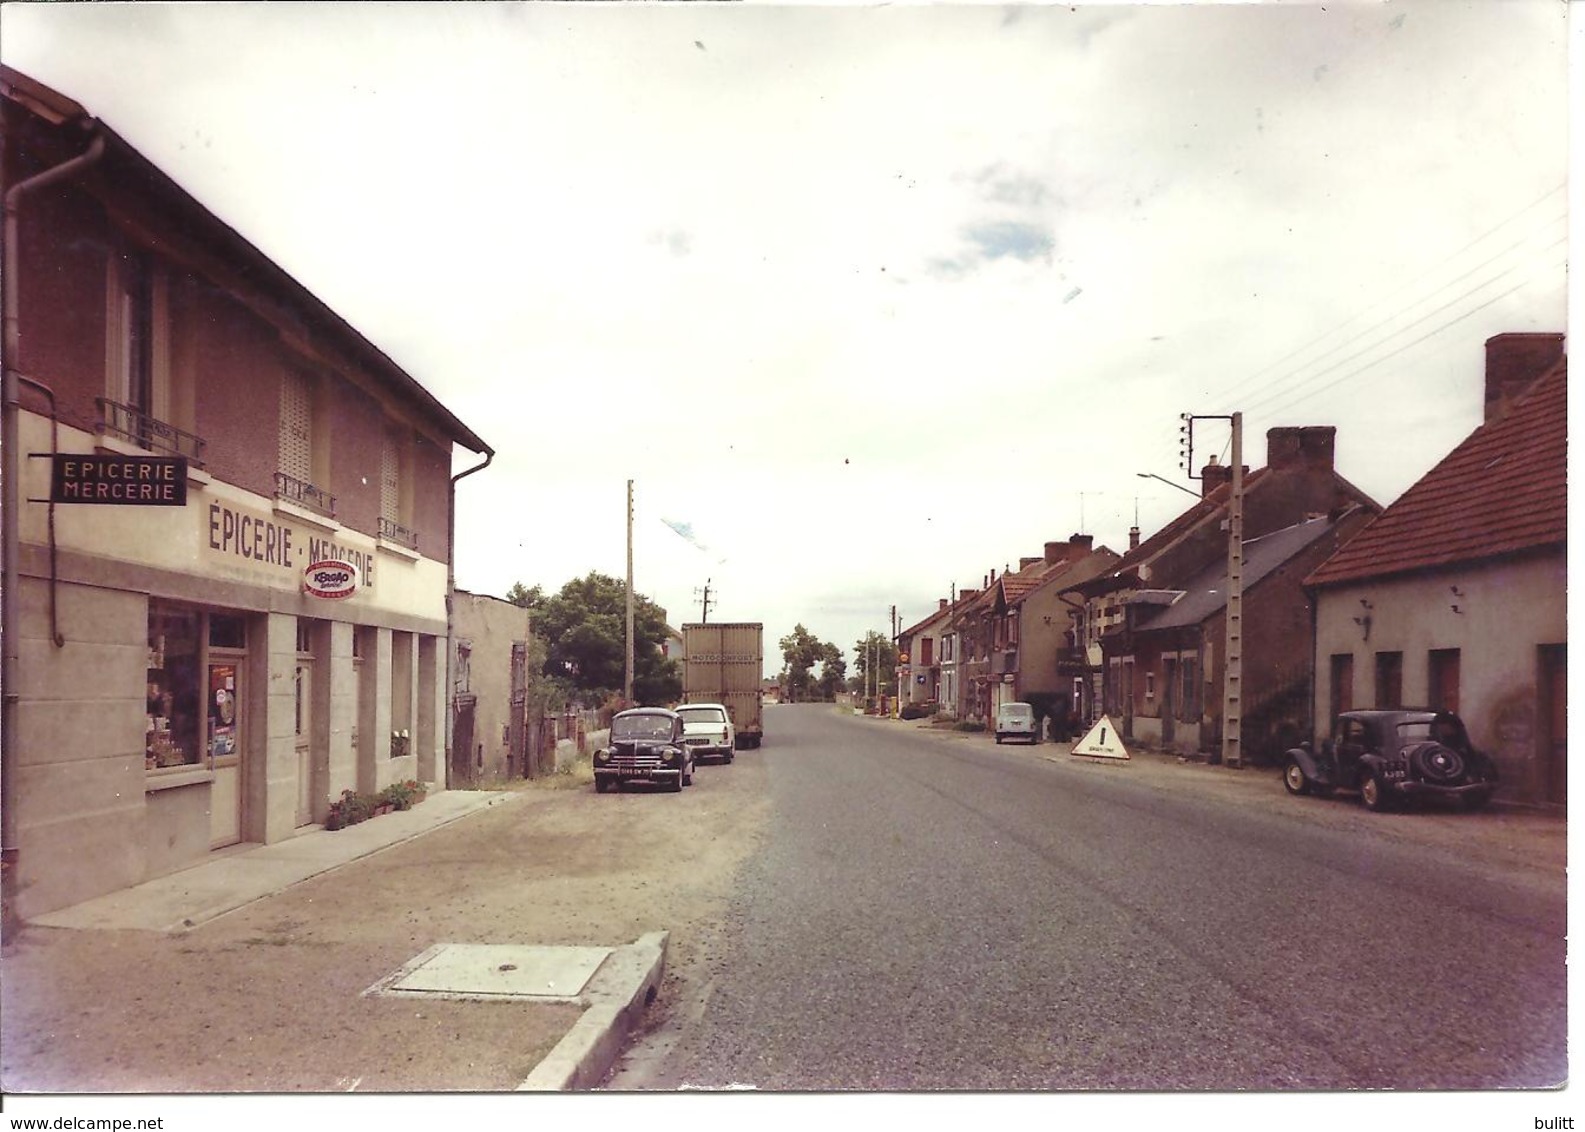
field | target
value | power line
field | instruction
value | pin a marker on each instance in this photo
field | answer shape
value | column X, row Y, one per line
column 1233, row 390
column 1270, row 407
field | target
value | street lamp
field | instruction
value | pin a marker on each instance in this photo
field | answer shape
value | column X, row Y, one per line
column 1169, row 483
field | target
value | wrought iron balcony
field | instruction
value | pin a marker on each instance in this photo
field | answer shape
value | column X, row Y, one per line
column 395, row 532
column 294, row 490
column 137, row 427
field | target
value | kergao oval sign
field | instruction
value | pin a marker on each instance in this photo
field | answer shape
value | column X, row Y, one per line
column 330, row 579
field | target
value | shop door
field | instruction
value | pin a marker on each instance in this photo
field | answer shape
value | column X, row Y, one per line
column 303, row 689
column 226, row 743
column 516, row 735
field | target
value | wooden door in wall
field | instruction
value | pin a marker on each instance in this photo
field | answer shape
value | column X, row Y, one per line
column 303, row 689
column 227, row 741
column 1554, row 722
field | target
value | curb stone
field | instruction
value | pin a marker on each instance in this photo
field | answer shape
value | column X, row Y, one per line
column 623, row 986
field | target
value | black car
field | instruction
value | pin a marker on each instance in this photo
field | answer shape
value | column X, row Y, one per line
column 646, row 745
column 1393, row 757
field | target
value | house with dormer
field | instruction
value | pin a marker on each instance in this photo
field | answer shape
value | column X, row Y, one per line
column 1455, row 597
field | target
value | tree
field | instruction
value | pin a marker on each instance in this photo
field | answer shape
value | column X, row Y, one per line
column 584, row 627
column 527, row 598
column 833, row 672
column 801, row 650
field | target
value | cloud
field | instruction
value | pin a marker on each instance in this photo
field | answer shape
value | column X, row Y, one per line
column 992, row 240
column 675, row 240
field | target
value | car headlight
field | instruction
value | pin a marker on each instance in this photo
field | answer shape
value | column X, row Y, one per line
column 602, row 756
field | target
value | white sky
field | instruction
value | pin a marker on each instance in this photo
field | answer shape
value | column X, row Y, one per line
column 873, row 300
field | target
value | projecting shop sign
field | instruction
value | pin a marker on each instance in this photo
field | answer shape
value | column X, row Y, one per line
column 142, row 481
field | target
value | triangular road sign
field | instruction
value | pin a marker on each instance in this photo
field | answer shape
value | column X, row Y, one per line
column 1101, row 742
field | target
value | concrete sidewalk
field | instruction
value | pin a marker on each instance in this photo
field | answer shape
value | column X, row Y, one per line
column 612, row 985
column 239, row 876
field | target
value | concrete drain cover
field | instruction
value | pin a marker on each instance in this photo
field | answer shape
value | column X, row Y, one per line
column 493, row 971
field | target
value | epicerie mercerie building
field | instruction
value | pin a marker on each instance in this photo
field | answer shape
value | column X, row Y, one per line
column 228, row 530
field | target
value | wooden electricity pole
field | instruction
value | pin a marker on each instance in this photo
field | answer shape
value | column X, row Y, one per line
column 627, row 669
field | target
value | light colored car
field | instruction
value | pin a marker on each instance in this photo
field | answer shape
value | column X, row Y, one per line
column 1016, row 721
column 707, row 730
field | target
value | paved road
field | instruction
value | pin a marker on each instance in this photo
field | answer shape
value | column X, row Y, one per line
column 934, row 912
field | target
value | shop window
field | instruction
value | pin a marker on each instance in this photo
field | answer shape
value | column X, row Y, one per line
column 175, row 705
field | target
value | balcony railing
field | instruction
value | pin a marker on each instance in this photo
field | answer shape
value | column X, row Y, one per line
column 395, row 532
column 137, row 427
column 1004, row 661
column 294, row 490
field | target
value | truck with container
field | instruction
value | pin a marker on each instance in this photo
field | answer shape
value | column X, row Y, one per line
column 722, row 664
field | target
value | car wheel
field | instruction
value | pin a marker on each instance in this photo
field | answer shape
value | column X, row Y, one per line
column 1294, row 779
column 687, row 775
column 601, row 785
column 1373, row 793
column 998, row 740
column 1477, row 800
column 730, row 755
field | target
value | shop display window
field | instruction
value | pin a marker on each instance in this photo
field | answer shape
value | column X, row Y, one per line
column 175, row 708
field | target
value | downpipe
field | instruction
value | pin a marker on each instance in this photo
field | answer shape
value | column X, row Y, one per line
column 451, row 589
column 10, row 501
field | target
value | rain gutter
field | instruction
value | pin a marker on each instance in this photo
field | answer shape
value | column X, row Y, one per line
column 10, row 500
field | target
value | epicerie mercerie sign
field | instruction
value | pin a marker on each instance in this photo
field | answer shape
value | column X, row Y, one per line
column 251, row 545
column 139, row 481
column 330, row 579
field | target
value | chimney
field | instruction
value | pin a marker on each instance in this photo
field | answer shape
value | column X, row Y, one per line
column 1081, row 542
column 1214, row 475
column 1513, row 361
column 1026, row 563
column 1133, row 538
column 942, row 606
column 1055, row 552
column 1311, row 447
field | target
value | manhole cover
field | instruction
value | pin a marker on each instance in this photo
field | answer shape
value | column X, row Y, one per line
column 499, row 971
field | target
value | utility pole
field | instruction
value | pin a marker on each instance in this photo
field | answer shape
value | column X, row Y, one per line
column 1233, row 662
column 1233, row 643
column 627, row 668
column 704, row 606
column 897, row 671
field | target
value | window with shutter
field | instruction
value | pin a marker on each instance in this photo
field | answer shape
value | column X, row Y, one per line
column 297, row 427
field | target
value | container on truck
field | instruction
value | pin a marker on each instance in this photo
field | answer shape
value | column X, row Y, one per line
column 722, row 664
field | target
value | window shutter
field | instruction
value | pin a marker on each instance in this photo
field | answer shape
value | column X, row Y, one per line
column 390, row 480
column 297, row 427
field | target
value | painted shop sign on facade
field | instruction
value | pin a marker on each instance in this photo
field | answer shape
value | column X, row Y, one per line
column 279, row 552
column 139, row 481
column 332, row 580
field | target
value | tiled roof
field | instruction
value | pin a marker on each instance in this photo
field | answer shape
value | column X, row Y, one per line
column 1206, row 594
column 1503, row 490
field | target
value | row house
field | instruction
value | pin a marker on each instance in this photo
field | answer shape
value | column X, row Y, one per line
column 1298, row 483
column 1171, row 646
column 228, row 530
column 920, row 656
column 1456, row 597
column 1009, row 633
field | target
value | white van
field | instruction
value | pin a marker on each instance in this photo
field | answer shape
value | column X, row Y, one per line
column 1016, row 721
